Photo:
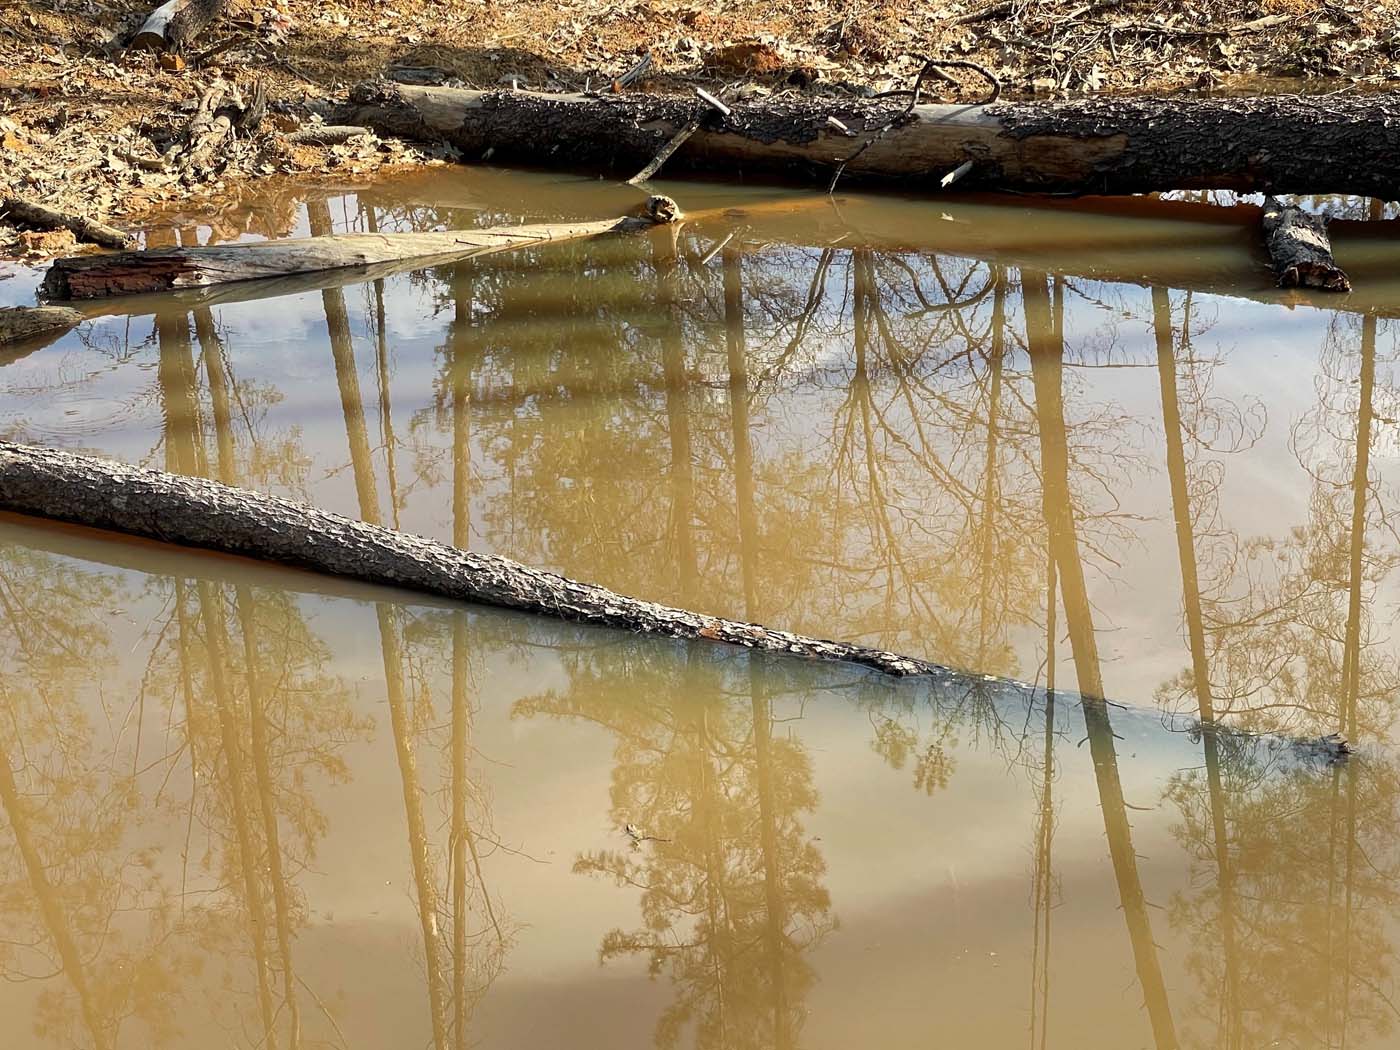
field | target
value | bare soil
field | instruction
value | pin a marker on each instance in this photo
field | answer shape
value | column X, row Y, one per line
column 81, row 118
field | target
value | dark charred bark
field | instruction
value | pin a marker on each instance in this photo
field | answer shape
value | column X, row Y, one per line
column 195, row 512
column 1300, row 250
column 1283, row 144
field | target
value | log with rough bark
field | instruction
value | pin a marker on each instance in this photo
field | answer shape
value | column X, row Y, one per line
column 21, row 323
column 174, row 24
column 1279, row 144
column 194, row 512
column 1300, row 250
column 162, row 269
column 37, row 216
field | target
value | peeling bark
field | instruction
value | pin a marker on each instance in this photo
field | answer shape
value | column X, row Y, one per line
column 195, row 512
column 1300, row 250
column 1283, row 144
column 173, row 25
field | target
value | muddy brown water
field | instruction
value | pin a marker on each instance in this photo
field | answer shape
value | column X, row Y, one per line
column 1085, row 447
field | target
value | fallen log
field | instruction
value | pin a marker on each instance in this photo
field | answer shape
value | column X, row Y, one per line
column 194, row 512
column 1300, row 250
column 163, row 269
column 327, row 134
column 27, row 213
column 1277, row 144
column 19, row 323
column 174, row 24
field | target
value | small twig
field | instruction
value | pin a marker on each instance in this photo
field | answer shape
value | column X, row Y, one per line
column 634, row 74
column 930, row 64
column 718, row 247
column 954, row 175
column 678, row 139
column 716, row 103
column 664, row 154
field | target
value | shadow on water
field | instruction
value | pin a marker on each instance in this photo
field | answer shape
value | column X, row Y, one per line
column 247, row 805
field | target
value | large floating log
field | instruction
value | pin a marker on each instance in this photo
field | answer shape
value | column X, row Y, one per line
column 1279, row 144
column 164, row 269
column 194, row 512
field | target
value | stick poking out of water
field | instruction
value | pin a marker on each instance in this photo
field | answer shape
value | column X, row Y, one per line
column 194, row 512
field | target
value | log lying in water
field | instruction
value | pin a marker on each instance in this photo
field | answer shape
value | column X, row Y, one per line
column 1300, row 250
column 163, row 269
column 194, row 512
column 21, row 323
column 1282, row 144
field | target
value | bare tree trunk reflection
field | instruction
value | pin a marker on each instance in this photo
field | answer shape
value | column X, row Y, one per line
column 50, row 907
column 1047, row 356
column 352, row 408
column 677, row 415
column 220, row 385
column 775, row 919
column 1200, row 669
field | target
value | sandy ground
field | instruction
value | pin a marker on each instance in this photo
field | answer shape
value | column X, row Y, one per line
column 81, row 117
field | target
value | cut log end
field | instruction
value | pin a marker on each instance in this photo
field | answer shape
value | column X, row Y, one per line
column 661, row 209
column 1300, row 249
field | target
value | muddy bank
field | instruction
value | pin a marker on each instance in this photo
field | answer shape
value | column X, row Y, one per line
column 87, row 122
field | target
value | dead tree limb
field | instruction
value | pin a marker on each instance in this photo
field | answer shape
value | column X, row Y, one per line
column 27, row 213
column 175, row 24
column 162, row 269
column 1300, row 250
column 21, row 323
column 194, row 512
column 1278, row 144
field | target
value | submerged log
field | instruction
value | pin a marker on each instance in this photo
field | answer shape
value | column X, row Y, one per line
column 195, row 512
column 163, row 269
column 1300, row 250
column 1280, row 144
column 27, row 213
column 20, row 323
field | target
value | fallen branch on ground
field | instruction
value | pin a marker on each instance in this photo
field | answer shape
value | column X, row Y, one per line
column 173, row 25
column 194, row 512
column 327, row 134
column 26, row 213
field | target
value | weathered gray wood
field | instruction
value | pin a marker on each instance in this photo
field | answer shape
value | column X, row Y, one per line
column 195, row 512
column 127, row 273
column 19, row 323
column 1300, row 250
column 327, row 134
column 1281, row 144
column 26, row 213
column 174, row 24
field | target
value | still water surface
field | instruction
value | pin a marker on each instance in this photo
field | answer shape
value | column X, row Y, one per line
column 239, row 801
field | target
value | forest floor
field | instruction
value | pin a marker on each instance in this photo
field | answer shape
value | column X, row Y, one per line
column 83, row 119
